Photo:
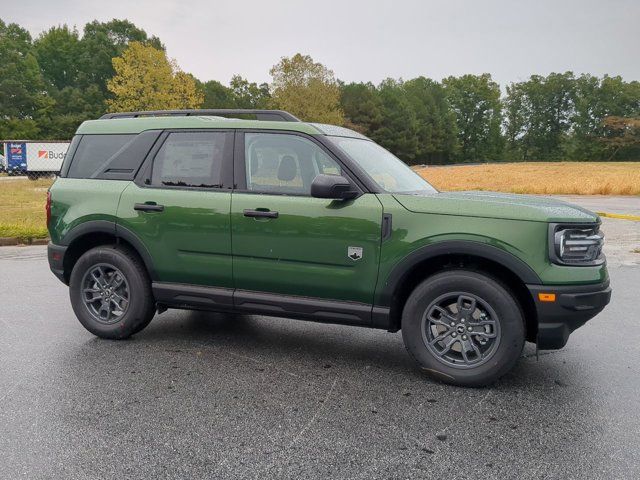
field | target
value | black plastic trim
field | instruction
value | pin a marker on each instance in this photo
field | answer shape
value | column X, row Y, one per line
column 91, row 226
column 135, row 242
column 188, row 296
column 574, row 306
column 124, row 165
column 261, row 114
column 306, row 308
column 56, row 264
column 453, row 247
column 387, row 226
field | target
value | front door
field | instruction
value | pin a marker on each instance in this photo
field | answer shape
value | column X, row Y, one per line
column 287, row 242
column 180, row 209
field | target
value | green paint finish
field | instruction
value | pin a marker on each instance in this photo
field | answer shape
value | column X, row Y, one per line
column 305, row 250
column 525, row 239
column 190, row 241
column 76, row 201
column 137, row 125
column 497, row 205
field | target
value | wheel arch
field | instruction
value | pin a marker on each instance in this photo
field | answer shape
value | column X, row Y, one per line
column 499, row 264
column 94, row 233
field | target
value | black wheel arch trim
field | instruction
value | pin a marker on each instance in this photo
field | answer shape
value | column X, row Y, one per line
column 118, row 231
column 454, row 247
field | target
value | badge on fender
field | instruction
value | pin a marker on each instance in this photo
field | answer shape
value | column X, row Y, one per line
column 354, row 253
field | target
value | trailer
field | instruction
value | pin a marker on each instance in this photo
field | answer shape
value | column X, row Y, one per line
column 34, row 158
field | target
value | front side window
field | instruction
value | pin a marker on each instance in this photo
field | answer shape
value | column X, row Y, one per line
column 190, row 159
column 388, row 171
column 284, row 164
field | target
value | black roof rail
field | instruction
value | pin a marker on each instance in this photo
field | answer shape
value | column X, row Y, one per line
column 264, row 115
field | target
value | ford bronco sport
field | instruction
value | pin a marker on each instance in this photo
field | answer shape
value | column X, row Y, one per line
column 265, row 214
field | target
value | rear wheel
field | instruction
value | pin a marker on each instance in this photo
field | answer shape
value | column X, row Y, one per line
column 463, row 328
column 111, row 292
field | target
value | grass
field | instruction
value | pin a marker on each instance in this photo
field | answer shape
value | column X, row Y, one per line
column 22, row 212
column 22, row 201
column 568, row 178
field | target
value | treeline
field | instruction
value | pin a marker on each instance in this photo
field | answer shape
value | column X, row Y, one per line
column 50, row 84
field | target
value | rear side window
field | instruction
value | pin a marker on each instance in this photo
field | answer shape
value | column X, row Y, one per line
column 94, row 151
column 191, row 159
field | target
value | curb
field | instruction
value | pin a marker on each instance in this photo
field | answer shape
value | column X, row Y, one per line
column 620, row 216
column 12, row 241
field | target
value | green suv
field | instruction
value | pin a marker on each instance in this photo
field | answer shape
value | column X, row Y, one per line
column 258, row 212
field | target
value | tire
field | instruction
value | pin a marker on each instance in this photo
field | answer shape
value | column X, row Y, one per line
column 116, row 278
column 432, row 324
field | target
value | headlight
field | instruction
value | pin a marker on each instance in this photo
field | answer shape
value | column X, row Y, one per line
column 579, row 245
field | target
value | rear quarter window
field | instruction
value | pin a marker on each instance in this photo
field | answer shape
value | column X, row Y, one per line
column 94, row 151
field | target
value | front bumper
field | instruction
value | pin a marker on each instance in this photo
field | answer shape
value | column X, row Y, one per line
column 573, row 306
column 55, row 255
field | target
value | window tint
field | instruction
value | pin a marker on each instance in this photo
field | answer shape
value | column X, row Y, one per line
column 281, row 163
column 190, row 159
column 94, row 151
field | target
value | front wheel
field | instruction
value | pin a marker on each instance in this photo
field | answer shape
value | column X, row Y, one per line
column 463, row 328
column 111, row 293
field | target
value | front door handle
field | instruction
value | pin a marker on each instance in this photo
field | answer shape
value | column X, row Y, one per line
column 148, row 207
column 260, row 213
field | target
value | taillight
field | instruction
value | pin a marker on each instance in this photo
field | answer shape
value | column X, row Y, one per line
column 48, row 208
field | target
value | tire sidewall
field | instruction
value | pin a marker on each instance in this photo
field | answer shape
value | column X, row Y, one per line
column 140, row 299
column 493, row 293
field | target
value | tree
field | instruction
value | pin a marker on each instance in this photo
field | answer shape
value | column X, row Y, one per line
column 217, row 95
column 621, row 133
column 101, row 42
column 475, row 100
column 538, row 116
column 435, row 121
column 596, row 99
column 22, row 88
column 146, row 80
column 307, row 89
column 399, row 128
column 362, row 107
column 249, row 94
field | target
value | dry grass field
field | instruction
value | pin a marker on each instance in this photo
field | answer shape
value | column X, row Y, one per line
column 22, row 207
column 22, row 201
column 568, row 178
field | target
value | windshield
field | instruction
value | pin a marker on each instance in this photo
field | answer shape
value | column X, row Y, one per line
column 387, row 170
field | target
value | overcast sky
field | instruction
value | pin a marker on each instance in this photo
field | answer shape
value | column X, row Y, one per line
column 369, row 40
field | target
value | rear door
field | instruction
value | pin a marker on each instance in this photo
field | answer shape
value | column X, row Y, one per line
column 287, row 242
column 179, row 207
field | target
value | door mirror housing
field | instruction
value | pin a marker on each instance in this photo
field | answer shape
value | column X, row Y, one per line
column 332, row 186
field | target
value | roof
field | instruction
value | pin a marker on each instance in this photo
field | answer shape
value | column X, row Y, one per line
column 137, row 125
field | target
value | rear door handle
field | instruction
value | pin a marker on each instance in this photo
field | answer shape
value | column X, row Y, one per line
column 148, row 207
column 260, row 213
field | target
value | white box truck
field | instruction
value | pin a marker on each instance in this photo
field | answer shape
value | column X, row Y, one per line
column 34, row 158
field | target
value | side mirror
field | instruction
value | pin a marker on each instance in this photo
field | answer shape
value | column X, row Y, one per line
column 332, row 186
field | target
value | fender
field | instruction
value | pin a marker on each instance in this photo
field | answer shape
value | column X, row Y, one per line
column 454, row 247
column 118, row 231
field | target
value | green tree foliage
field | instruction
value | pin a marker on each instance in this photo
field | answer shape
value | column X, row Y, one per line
column 621, row 133
column 412, row 119
column 22, row 97
column 49, row 85
column 538, row 116
column 475, row 100
column 307, row 89
column 216, row 95
column 146, row 79
column 362, row 107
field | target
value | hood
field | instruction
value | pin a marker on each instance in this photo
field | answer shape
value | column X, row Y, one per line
column 496, row 205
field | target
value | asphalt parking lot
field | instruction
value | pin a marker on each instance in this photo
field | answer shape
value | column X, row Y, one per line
column 204, row 395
